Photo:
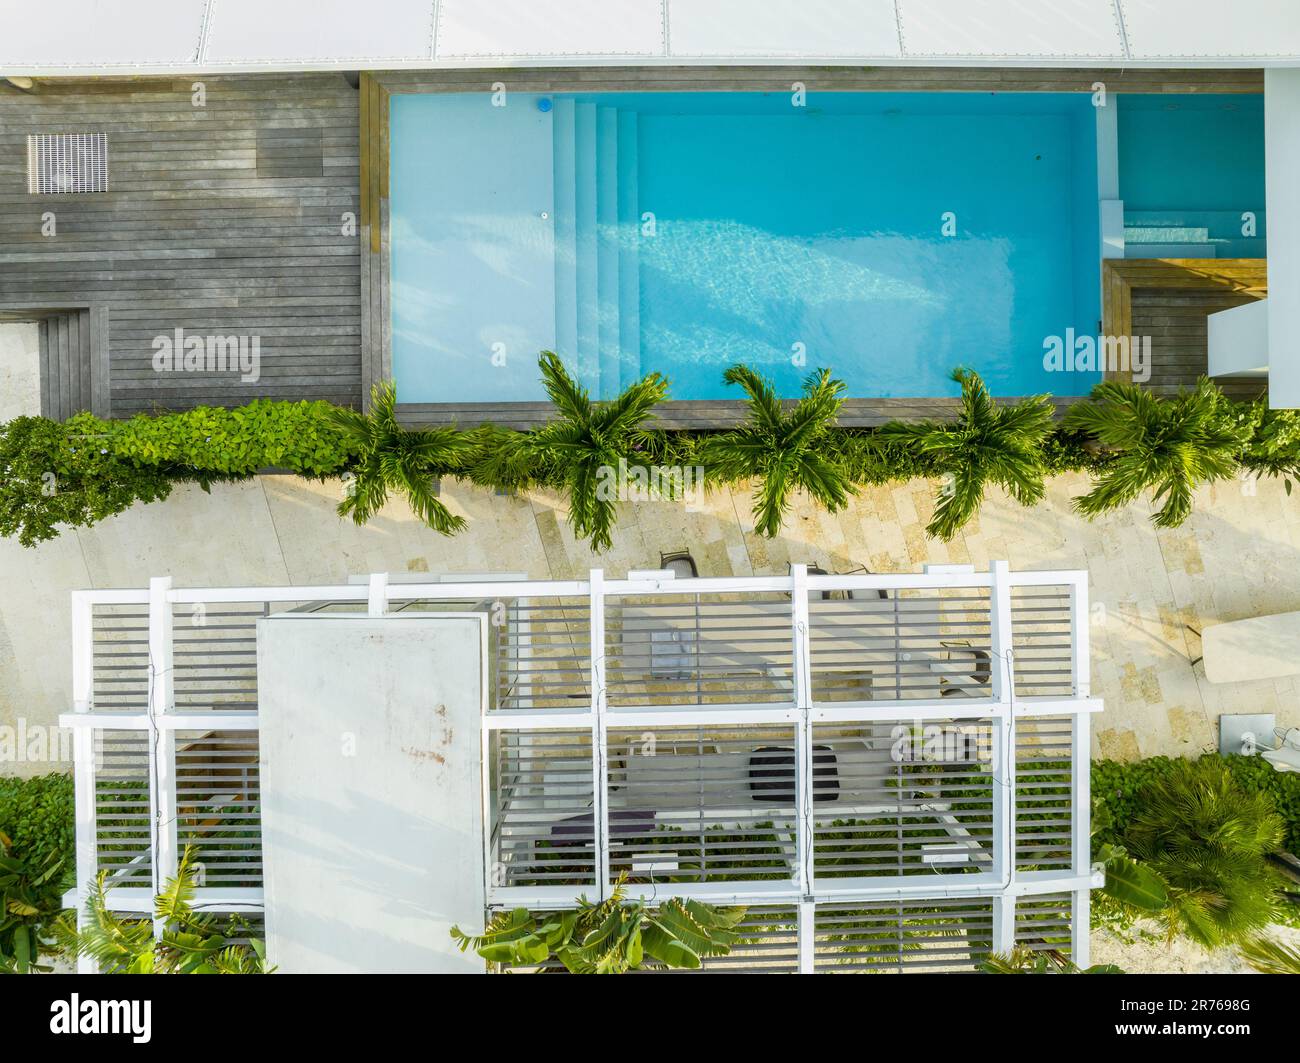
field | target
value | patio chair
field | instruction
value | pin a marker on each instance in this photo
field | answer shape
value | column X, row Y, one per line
column 975, row 669
column 680, row 563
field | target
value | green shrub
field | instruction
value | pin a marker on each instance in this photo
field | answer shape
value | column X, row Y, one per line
column 1118, row 786
column 38, row 816
column 52, row 475
column 231, row 442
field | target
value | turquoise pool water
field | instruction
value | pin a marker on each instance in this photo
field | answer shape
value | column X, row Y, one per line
column 890, row 237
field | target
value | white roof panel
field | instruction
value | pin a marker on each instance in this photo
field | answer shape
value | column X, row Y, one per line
column 514, row 28
column 196, row 36
column 79, row 32
column 1061, row 28
column 1191, row 28
column 318, row 30
column 809, row 28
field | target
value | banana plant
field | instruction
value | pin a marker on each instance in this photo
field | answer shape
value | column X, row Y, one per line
column 191, row 942
column 29, row 904
column 613, row 936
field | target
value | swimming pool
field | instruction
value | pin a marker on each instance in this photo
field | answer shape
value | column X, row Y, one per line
column 890, row 237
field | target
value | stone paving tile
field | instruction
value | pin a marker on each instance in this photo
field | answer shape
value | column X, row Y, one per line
column 1237, row 556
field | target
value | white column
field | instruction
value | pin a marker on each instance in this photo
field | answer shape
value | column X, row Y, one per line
column 1004, row 753
column 1282, row 164
column 807, row 937
column 83, row 757
column 162, row 740
column 803, row 792
column 599, row 735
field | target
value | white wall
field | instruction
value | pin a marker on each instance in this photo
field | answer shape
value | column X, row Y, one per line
column 1238, row 340
column 20, row 365
column 1282, row 175
column 371, row 791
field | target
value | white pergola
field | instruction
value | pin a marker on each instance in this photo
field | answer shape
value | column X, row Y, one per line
column 878, row 766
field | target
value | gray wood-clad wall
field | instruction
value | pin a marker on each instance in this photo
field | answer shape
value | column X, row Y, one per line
column 222, row 220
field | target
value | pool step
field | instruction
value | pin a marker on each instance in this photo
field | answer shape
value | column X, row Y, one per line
column 587, row 363
column 566, row 248
column 629, row 240
column 1174, row 250
column 597, row 290
column 607, row 259
column 1192, row 234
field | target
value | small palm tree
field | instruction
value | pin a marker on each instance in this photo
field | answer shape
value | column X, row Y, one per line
column 393, row 458
column 783, row 450
column 988, row 444
column 1030, row 961
column 1169, row 446
column 191, row 942
column 1208, row 840
column 1271, row 957
column 613, row 936
column 582, row 448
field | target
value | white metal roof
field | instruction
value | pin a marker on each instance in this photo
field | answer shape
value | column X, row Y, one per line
column 186, row 36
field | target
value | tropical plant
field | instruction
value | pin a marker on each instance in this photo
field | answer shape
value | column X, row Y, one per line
column 987, row 444
column 1127, row 881
column 582, row 449
column 191, row 942
column 1168, row 446
column 613, row 936
column 1208, row 840
column 393, row 458
column 29, row 905
column 1271, row 957
column 1273, row 446
column 1028, row 961
column 783, row 450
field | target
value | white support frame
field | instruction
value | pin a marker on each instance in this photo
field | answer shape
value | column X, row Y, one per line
column 376, row 596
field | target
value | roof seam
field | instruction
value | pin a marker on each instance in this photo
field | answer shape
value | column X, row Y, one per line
column 205, row 29
column 1117, row 7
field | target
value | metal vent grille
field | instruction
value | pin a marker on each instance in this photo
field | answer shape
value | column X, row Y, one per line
column 67, row 162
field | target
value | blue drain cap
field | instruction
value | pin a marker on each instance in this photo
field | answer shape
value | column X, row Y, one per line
column 544, row 104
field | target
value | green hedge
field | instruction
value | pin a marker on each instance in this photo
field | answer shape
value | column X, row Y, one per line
column 1118, row 786
column 38, row 816
column 234, row 442
column 85, row 469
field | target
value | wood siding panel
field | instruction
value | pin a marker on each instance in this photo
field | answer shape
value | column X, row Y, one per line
column 221, row 220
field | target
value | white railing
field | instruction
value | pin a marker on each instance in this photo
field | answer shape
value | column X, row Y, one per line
column 824, row 666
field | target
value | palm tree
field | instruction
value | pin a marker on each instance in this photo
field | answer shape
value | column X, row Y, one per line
column 1170, row 446
column 1271, row 957
column 783, row 451
column 613, row 936
column 1208, row 839
column 988, row 444
column 191, row 942
column 582, row 448
column 393, row 458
